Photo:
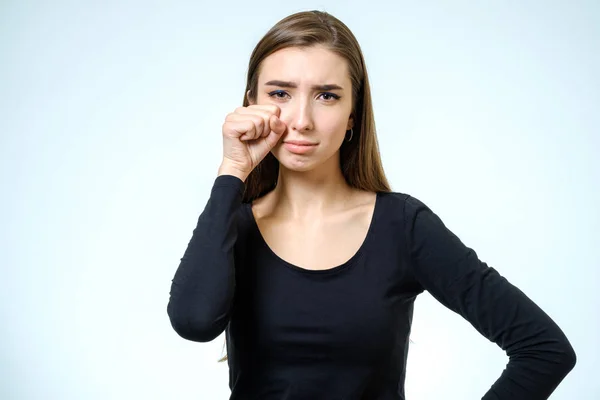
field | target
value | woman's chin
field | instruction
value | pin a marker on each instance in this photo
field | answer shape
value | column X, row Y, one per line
column 304, row 163
column 296, row 163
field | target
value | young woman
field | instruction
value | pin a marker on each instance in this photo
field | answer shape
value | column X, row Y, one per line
column 308, row 260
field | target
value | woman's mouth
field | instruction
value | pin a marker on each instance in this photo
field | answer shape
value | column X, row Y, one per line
column 299, row 146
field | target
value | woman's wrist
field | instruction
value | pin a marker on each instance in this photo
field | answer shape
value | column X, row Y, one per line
column 229, row 169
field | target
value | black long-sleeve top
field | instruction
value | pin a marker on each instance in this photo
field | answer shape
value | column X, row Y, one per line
column 342, row 333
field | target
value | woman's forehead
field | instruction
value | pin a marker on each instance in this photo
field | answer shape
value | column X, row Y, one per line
column 305, row 66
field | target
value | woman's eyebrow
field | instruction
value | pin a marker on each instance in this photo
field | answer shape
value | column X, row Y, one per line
column 285, row 84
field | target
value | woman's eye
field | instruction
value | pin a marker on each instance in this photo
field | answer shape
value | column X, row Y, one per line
column 278, row 94
column 330, row 96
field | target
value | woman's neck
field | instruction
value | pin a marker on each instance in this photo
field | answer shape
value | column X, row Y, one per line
column 311, row 194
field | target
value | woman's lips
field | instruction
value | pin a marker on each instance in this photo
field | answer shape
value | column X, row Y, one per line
column 299, row 146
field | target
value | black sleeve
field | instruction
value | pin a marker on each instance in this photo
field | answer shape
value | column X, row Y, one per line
column 204, row 284
column 540, row 355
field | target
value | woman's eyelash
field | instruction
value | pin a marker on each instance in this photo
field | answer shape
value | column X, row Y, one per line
column 277, row 94
column 333, row 95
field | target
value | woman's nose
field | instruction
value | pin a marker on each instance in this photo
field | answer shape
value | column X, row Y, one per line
column 300, row 116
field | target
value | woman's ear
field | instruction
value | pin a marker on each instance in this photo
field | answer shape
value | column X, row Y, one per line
column 350, row 122
column 249, row 98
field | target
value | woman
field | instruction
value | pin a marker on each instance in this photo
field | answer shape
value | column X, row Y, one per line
column 308, row 260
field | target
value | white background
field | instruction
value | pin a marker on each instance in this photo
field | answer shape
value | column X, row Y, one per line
column 110, row 117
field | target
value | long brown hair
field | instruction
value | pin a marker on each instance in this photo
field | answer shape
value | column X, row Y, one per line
column 360, row 160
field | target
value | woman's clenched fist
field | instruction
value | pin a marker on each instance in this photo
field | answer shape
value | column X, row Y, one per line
column 249, row 134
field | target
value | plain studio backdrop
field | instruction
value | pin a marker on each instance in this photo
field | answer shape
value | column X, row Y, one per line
column 110, row 122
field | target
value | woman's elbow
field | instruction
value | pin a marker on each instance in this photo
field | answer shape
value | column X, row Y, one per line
column 196, row 327
column 569, row 358
column 560, row 359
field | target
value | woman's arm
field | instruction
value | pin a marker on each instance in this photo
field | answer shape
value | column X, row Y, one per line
column 203, row 287
column 540, row 355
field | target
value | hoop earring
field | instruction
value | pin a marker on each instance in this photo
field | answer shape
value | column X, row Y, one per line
column 351, row 135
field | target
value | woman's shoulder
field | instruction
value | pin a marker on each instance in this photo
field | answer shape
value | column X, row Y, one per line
column 394, row 198
column 401, row 204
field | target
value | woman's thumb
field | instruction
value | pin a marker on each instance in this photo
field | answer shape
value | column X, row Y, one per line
column 277, row 125
column 277, row 129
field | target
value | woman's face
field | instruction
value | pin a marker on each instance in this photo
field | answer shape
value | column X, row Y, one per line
column 312, row 88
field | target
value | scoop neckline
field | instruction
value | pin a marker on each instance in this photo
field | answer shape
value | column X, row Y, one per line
column 335, row 269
